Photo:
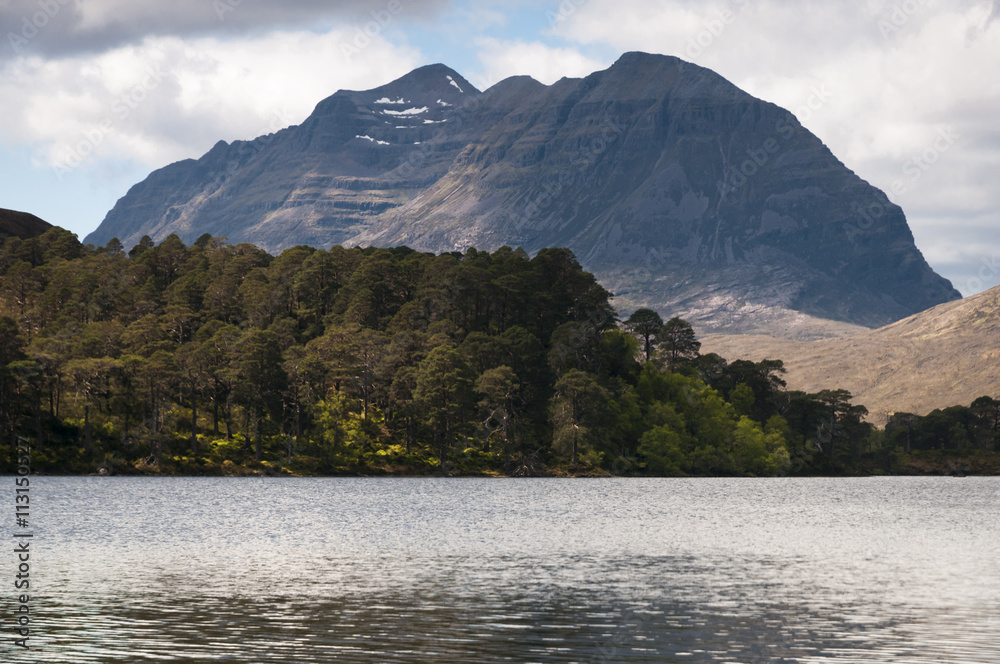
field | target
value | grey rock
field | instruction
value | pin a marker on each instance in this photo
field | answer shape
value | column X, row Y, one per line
column 675, row 188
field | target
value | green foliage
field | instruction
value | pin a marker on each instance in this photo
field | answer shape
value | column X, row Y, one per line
column 579, row 418
column 347, row 360
column 222, row 359
column 959, row 429
column 646, row 324
column 742, row 398
column 665, row 451
column 678, row 343
column 443, row 395
column 500, row 392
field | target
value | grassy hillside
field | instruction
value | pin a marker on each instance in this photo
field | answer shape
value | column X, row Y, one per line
column 944, row 356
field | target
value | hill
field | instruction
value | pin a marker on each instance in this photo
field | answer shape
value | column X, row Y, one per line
column 678, row 190
column 21, row 224
column 942, row 357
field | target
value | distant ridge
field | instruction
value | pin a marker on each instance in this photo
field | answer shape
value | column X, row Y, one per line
column 678, row 190
column 21, row 224
column 946, row 356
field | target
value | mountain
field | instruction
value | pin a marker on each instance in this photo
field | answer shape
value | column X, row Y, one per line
column 942, row 357
column 675, row 188
column 21, row 224
column 318, row 183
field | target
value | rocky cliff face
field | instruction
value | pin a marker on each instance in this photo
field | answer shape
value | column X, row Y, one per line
column 357, row 156
column 677, row 189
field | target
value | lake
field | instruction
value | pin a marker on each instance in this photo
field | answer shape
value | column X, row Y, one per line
column 512, row 570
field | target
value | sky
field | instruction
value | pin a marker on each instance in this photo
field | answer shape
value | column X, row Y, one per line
column 96, row 94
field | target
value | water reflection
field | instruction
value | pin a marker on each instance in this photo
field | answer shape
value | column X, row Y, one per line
column 665, row 619
column 525, row 572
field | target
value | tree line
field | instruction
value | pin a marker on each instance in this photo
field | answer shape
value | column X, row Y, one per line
column 219, row 358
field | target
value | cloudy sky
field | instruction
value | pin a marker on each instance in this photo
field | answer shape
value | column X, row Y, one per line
column 95, row 94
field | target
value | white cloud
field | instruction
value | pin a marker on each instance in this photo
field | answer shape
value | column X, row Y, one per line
column 168, row 98
column 67, row 27
column 891, row 76
column 547, row 64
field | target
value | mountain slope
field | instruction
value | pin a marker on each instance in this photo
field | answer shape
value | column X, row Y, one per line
column 319, row 183
column 21, row 224
column 677, row 189
column 945, row 356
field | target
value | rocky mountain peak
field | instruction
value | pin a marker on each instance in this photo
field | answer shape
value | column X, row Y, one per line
column 435, row 80
column 431, row 86
column 676, row 188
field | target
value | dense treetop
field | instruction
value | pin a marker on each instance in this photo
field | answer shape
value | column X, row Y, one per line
column 219, row 358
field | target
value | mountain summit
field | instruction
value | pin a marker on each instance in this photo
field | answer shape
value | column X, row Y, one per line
column 677, row 189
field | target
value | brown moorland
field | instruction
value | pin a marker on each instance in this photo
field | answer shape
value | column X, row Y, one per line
column 946, row 356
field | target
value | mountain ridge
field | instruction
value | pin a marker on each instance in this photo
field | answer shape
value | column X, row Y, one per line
column 677, row 189
column 941, row 357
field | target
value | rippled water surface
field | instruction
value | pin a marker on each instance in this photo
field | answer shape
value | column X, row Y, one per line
column 470, row 570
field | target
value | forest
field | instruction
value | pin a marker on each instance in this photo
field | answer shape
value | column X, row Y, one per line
column 220, row 359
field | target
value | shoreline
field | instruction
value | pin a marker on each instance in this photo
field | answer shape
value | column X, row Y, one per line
column 920, row 463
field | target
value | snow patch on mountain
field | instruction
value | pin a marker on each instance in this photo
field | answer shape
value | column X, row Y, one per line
column 409, row 111
column 373, row 140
